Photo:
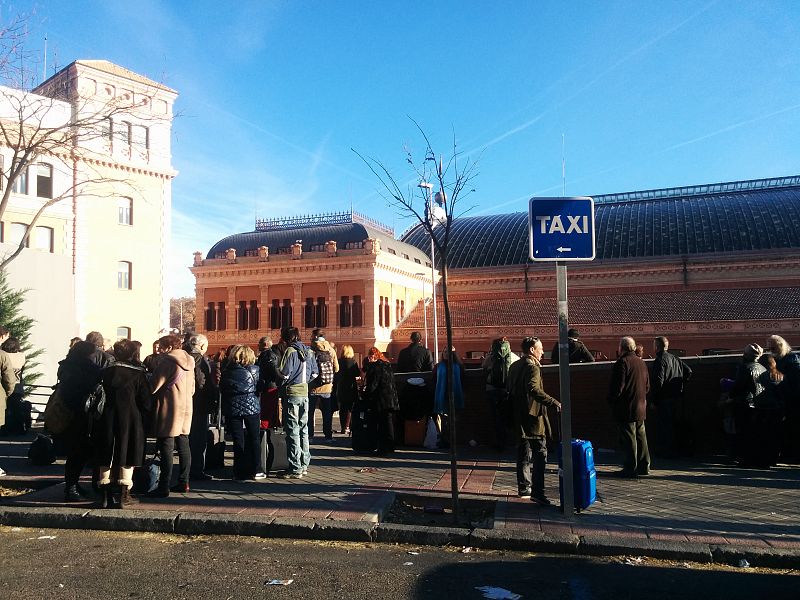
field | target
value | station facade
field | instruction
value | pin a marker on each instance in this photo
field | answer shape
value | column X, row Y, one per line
column 714, row 267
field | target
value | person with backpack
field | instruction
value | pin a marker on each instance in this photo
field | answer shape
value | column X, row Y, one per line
column 296, row 369
column 321, row 388
column 495, row 367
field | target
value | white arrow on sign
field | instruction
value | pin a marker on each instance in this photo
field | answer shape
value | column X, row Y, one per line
column 562, row 249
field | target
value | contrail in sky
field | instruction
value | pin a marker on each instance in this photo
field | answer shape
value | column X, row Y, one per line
column 597, row 78
column 624, row 164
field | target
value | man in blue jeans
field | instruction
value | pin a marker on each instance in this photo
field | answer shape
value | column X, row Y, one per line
column 296, row 368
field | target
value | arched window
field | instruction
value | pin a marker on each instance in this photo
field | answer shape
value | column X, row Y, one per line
column 124, row 275
column 123, row 333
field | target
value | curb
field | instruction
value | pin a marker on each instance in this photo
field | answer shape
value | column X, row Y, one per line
column 391, row 533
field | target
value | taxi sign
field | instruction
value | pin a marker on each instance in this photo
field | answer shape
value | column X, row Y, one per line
column 561, row 229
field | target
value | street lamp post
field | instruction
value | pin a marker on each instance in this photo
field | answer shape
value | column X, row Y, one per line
column 433, row 221
column 424, row 306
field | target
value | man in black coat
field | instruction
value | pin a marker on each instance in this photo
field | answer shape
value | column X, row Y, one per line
column 667, row 376
column 578, row 352
column 205, row 402
column 415, row 358
column 627, row 395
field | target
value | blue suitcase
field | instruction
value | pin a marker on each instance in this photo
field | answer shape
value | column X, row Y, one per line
column 584, row 476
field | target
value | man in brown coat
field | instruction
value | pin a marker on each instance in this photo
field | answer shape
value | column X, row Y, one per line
column 627, row 395
column 530, row 402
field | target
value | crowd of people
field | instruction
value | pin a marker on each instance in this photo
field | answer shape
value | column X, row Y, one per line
column 180, row 396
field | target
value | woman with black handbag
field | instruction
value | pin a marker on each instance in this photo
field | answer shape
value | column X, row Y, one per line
column 242, row 409
column 118, row 435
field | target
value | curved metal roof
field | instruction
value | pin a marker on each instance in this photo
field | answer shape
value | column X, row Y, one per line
column 760, row 215
column 313, row 236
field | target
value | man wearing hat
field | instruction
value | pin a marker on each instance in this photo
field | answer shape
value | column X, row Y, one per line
column 578, row 352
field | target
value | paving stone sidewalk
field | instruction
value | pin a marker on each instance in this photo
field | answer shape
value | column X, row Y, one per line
column 700, row 501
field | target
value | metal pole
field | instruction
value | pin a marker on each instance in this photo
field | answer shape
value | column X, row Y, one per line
column 433, row 296
column 425, row 312
column 566, row 470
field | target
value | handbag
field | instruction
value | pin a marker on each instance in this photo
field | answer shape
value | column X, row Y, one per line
column 95, row 402
column 57, row 415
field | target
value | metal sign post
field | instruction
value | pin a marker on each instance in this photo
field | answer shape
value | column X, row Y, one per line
column 562, row 229
column 568, row 503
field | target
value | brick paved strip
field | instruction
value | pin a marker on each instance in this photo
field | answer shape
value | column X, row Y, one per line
column 705, row 538
column 744, row 540
column 667, row 536
column 791, row 544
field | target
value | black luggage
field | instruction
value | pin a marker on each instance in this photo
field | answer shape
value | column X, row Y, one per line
column 274, row 456
column 18, row 416
column 215, row 448
column 364, row 430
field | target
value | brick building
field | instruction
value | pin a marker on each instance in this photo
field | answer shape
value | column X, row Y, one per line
column 711, row 266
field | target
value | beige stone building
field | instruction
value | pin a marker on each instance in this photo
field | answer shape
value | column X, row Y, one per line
column 109, row 229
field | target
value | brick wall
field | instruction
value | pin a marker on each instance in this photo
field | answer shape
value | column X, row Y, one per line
column 591, row 417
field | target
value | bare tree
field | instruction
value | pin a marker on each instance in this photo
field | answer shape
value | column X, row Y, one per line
column 182, row 313
column 453, row 177
column 71, row 126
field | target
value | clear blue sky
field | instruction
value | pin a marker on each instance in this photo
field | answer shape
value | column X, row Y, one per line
column 273, row 96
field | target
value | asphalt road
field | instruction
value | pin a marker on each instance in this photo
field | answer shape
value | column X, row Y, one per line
column 86, row 565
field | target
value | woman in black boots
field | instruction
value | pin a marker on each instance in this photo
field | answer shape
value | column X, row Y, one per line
column 118, row 436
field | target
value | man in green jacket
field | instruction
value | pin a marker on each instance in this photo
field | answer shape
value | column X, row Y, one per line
column 532, row 427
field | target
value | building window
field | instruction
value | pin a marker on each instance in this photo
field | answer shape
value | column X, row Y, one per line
column 353, row 245
column 124, row 275
column 43, row 238
column 107, row 129
column 16, row 233
column 211, row 317
column 286, row 313
column 392, row 251
column 44, row 180
column 122, row 132
column 125, row 211
column 384, row 312
column 345, row 312
column 140, row 136
column 123, row 333
column 222, row 318
column 20, row 185
column 317, row 248
column 308, row 314
column 406, row 256
column 254, row 314
column 358, row 312
column 418, row 261
column 275, row 315
column 244, row 315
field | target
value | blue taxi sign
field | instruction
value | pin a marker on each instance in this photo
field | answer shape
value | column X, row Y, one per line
column 561, row 229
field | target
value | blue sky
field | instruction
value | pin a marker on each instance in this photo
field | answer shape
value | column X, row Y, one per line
column 273, row 96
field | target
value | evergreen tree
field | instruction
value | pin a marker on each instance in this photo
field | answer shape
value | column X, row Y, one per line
column 19, row 325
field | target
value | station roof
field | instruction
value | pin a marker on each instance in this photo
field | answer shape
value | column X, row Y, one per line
column 313, row 231
column 762, row 214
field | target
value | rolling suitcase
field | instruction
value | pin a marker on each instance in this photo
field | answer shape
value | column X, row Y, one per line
column 274, row 456
column 215, row 449
column 584, row 476
column 363, row 430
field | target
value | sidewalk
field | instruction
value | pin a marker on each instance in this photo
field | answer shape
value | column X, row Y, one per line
column 700, row 510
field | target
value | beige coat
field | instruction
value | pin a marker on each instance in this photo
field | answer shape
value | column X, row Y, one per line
column 7, row 382
column 325, row 346
column 173, row 388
